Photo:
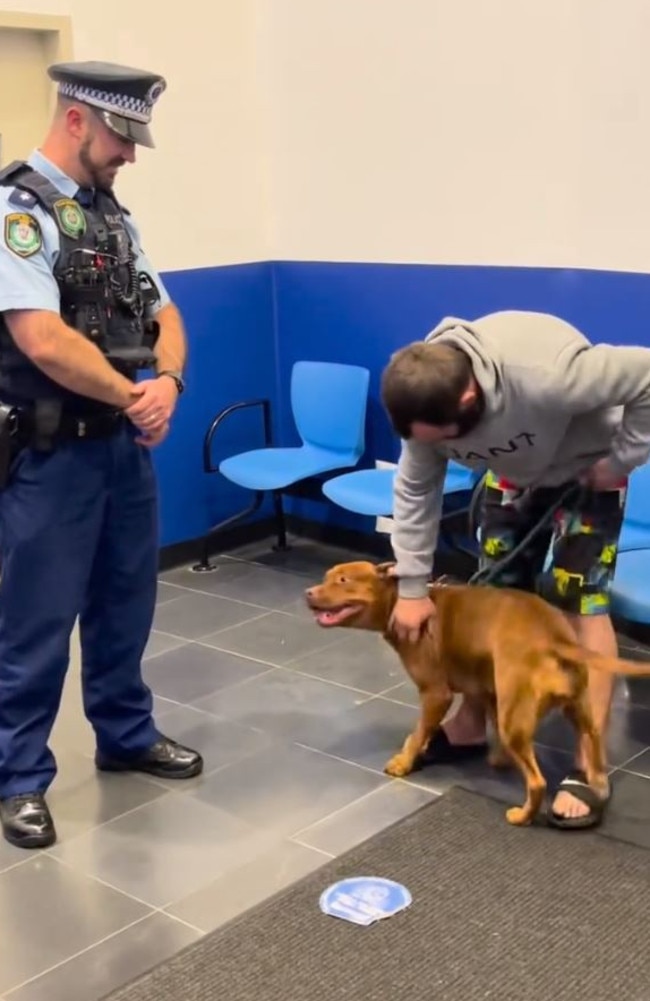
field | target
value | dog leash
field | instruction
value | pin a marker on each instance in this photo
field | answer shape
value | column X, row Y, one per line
column 486, row 574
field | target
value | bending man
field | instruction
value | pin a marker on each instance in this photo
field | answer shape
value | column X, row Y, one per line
column 526, row 397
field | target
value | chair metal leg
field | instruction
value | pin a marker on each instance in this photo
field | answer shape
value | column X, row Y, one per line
column 205, row 566
column 281, row 544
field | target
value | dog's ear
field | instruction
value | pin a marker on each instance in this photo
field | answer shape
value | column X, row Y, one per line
column 386, row 569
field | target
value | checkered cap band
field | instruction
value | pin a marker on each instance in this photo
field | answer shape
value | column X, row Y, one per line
column 121, row 104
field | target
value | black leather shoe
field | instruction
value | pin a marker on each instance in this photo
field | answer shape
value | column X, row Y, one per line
column 27, row 821
column 166, row 760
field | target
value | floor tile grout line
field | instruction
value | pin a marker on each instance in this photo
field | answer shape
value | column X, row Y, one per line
column 392, row 688
column 434, row 793
column 81, row 952
column 233, row 625
column 244, row 656
column 397, row 702
column 270, row 668
column 207, row 646
column 360, row 799
column 638, row 775
column 236, row 653
column 98, row 879
column 282, row 610
column 335, row 813
column 326, row 681
column 287, row 667
column 51, row 852
column 20, row 861
column 629, row 761
column 180, row 921
column 292, row 660
column 312, row 848
column 624, row 766
column 211, row 594
column 346, row 761
column 185, row 640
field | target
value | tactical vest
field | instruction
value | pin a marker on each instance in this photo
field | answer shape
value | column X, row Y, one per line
column 102, row 294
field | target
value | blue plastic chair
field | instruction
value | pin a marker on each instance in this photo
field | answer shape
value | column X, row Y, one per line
column 635, row 533
column 630, row 590
column 370, row 492
column 328, row 404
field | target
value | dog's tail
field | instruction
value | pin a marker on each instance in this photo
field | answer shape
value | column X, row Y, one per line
column 575, row 654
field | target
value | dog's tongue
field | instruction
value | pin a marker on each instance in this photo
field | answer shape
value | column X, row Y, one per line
column 331, row 617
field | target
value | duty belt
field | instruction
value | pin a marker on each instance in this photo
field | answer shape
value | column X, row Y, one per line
column 19, row 429
column 71, row 427
column 91, row 426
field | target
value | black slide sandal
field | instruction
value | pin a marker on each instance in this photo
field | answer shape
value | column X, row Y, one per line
column 442, row 752
column 576, row 785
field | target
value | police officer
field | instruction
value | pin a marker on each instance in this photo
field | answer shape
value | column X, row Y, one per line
column 91, row 358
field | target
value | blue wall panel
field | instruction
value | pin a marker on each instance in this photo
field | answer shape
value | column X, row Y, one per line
column 248, row 324
column 360, row 313
column 228, row 313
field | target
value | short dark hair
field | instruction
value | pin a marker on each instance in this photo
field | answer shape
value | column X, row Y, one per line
column 425, row 382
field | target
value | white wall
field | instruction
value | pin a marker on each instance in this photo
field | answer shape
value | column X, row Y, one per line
column 474, row 132
column 200, row 196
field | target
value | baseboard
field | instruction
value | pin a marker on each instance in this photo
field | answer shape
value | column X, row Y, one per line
column 374, row 545
column 189, row 551
column 363, row 543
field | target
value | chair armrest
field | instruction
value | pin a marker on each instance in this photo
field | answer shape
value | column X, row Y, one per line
column 265, row 404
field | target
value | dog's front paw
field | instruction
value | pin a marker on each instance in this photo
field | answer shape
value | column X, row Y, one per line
column 398, row 766
column 518, row 816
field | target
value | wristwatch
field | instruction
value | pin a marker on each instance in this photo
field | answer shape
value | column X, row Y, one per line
column 177, row 377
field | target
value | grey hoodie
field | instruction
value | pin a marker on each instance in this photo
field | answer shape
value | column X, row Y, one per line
column 554, row 405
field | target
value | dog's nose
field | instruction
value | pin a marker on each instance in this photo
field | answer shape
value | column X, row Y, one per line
column 309, row 592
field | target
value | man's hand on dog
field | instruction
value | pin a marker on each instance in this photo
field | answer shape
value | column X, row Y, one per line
column 410, row 616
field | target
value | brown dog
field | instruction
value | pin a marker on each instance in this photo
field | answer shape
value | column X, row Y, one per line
column 507, row 646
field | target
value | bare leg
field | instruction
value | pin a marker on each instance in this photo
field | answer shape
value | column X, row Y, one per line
column 498, row 756
column 468, row 725
column 592, row 755
column 594, row 632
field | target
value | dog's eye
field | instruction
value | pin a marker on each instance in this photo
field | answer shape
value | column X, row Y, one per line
column 343, row 580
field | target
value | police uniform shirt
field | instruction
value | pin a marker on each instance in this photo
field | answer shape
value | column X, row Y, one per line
column 27, row 282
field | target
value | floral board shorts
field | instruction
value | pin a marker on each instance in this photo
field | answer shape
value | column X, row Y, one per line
column 571, row 562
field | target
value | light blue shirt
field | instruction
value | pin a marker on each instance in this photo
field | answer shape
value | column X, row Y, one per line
column 28, row 282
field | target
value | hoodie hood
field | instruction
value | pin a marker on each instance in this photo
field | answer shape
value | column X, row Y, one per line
column 483, row 353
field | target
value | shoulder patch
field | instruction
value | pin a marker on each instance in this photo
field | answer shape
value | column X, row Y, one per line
column 24, row 199
column 23, row 234
column 70, row 217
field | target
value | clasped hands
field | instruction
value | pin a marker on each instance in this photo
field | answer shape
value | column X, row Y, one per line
column 152, row 410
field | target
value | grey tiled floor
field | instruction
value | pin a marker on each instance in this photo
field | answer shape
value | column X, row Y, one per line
column 295, row 724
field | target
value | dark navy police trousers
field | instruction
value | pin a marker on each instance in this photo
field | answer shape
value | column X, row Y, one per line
column 78, row 538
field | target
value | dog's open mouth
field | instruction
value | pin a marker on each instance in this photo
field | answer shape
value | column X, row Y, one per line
column 335, row 616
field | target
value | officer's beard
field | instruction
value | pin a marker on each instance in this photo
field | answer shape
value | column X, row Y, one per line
column 99, row 175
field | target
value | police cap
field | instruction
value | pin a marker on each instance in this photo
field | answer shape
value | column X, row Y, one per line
column 124, row 97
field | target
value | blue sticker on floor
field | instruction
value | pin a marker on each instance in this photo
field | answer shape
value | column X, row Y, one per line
column 364, row 899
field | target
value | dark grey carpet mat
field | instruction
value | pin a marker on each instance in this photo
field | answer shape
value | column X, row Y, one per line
column 498, row 913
